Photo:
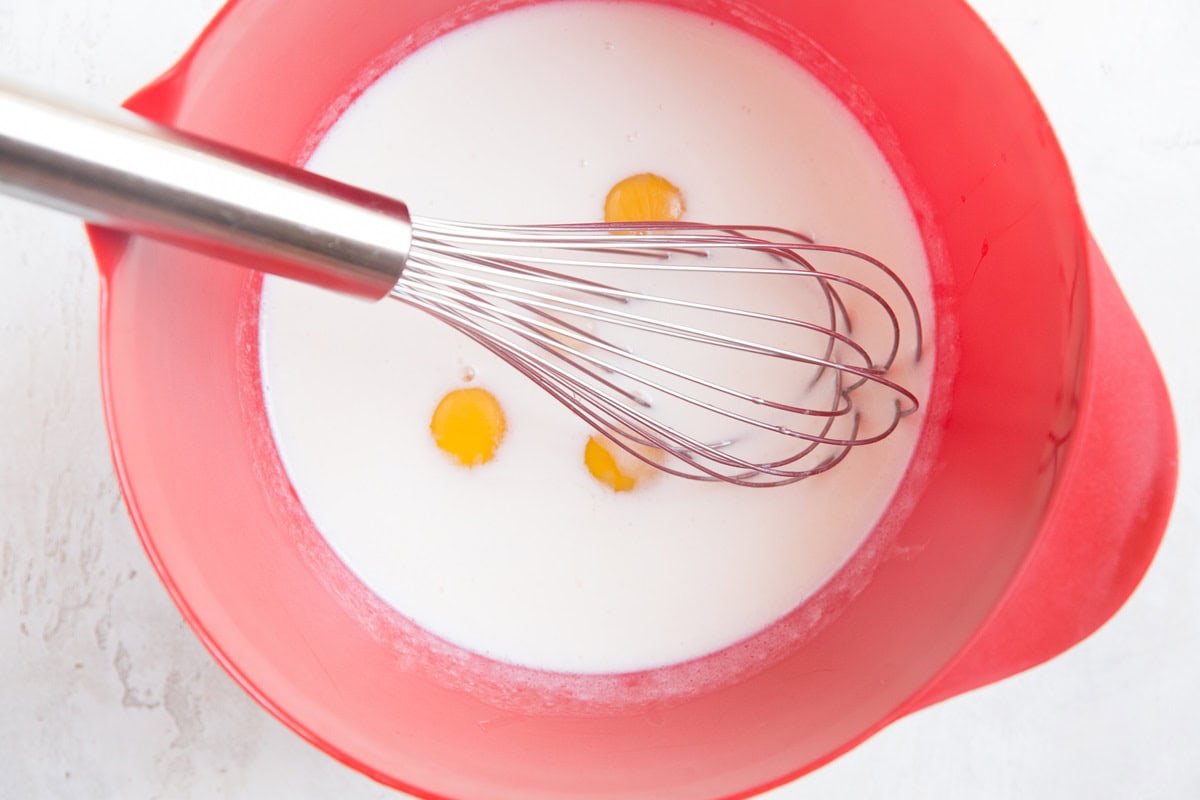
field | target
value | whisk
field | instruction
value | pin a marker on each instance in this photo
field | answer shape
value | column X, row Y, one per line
column 748, row 354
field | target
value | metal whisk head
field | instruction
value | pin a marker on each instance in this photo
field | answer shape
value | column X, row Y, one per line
column 746, row 354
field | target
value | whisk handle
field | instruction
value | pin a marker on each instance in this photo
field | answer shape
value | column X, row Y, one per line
column 118, row 170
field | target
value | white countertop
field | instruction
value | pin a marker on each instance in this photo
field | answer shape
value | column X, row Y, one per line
column 106, row 693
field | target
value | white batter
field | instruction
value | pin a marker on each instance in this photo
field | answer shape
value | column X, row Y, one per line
column 532, row 116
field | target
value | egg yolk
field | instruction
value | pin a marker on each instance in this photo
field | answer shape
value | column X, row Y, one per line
column 618, row 469
column 468, row 424
column 644, row 198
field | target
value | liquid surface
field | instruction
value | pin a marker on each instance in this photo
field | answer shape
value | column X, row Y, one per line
column 534, row 115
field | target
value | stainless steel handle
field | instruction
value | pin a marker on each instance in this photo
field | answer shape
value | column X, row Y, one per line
column 121, row 171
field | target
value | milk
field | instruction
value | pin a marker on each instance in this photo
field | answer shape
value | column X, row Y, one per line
column 531, row 116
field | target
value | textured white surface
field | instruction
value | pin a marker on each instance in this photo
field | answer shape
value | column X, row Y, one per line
column 105, row 693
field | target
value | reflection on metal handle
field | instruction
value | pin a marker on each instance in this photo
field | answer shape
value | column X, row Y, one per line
column 121, row 171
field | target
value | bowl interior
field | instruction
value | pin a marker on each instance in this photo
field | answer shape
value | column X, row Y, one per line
column 292, row 625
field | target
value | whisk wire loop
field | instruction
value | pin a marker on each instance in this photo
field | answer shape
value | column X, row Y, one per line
column 722, row 353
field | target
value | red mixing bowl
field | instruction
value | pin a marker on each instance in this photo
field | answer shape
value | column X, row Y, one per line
column 1033, row 508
